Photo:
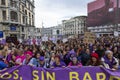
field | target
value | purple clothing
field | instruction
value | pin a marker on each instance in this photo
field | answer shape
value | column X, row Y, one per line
column 91, row 48
column 110, row 63
column 9, row 57
column 29, row 41
column 72, row 52
column 78, row 64
column 3, row 41
column 62, row 64
column 38, row 41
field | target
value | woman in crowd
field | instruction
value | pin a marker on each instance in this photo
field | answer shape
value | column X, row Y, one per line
column 19, row 58
column 100, row 51
column 115, row 52
column 29, row 60
column 75, row 62
column 109, row 61
column 85, row 56
column 61, row 54
column 52, row 59
column 42, row 62
column 11, row 57
column 58, row 62
column 94, row 60
column 36, row 57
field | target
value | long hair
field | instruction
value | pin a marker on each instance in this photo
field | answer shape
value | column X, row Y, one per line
column 98, row 62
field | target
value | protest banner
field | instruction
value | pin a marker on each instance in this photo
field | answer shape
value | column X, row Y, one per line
column 71, row 73
column 89, row 37
column 44, row 38
column 38, row 42
column 116, row 34
column 65, row 40
column 53, row 39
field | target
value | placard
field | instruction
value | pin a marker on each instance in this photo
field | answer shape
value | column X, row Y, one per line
column 89, row 37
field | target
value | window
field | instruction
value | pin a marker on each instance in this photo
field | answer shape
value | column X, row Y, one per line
column 26, row 20
column 3, row 2
column 28, row 6
column 29, row 15
column 25, row 3
column 29, row 18
column 32, row 20
column 22, row 8
column 84, row 24
column 20, row 18
column 4, row 15
column 23, row 19
column 29, row 21
column 26, row 12
column 31, row 8
column 22, row 29
column 14, row 16
column 13, row 3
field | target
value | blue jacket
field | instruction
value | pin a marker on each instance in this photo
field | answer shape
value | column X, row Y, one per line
column 32, row 62
column 2, row 65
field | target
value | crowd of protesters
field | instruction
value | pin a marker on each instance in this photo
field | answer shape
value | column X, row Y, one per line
column 105, row 52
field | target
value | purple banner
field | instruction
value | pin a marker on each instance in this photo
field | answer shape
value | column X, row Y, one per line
column 71, row 73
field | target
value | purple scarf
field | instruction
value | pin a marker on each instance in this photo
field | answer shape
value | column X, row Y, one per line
column 110, row 63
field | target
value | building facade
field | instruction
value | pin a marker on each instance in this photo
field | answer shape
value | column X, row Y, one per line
column 47, row 32
column 16, row 16
column 74, row 26
column 34, row 32
column 103, row 16
column 57, row 31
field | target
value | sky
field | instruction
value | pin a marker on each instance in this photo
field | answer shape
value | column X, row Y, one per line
column 52, row 12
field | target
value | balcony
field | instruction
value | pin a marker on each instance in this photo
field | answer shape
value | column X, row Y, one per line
column 14, row 21
column 4, row 21
column 3, row 6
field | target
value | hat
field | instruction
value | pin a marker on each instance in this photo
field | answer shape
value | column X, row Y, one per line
column 30, row 53
column 41, row 58
column 95, row 55
column 108, row 52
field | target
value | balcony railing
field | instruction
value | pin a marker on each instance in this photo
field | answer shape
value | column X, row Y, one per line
column 4, row 21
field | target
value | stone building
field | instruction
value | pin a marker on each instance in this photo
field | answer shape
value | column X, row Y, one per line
column 16, row 16
column 74, row 26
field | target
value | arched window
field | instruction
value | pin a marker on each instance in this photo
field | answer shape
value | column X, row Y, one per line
column 14, row 16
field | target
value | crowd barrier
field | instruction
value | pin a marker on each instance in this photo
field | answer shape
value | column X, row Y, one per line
column 67, row 73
